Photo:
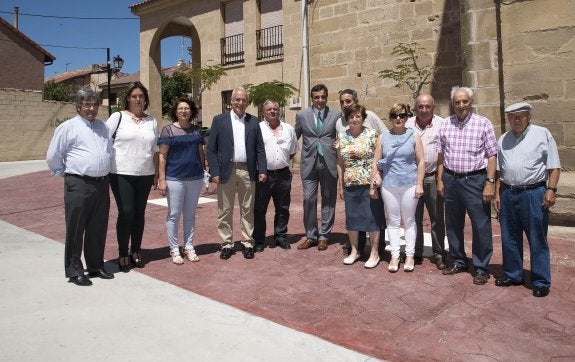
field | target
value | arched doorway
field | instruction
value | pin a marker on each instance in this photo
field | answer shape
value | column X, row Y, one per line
column 150, row 56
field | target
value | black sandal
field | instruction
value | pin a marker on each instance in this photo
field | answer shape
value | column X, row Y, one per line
column 137, row 259
column 124, row 264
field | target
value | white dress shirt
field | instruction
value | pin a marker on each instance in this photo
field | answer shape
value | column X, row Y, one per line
column 239, row 130
column 80, row 147
column 279, row 148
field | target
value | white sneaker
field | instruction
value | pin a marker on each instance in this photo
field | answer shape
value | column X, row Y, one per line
column 176, row 257
column 371, row 263
column 191, row 255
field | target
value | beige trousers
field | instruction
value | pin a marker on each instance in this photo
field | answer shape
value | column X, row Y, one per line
column 239, row 182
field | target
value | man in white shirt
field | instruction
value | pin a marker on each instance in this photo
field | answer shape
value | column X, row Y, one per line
column 237, row 160
column 427, row 125
column 80, row 151
column 281, row 145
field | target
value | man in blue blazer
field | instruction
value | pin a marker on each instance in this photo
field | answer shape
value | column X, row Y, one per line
column 316, row 125
column 237, row 158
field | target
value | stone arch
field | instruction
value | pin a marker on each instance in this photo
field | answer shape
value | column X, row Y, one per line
column 150, row 55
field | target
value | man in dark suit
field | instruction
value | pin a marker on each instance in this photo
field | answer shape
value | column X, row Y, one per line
column 318, row 166
column 237, row 158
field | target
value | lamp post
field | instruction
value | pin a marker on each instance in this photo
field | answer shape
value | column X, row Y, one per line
column 118, row 64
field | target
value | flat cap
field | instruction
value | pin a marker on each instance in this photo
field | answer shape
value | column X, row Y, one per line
column 518, row 107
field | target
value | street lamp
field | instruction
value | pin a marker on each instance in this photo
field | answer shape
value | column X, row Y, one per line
column 118, row 64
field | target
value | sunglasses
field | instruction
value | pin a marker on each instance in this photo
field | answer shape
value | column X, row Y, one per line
column 397, row 115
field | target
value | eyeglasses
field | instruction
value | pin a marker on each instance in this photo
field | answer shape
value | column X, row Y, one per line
column 397, row 115
column 90, row 105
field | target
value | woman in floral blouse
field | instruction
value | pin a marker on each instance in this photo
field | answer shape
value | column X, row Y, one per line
column 363, row 209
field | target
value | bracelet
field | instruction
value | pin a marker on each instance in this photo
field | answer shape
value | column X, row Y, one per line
column 554, row 189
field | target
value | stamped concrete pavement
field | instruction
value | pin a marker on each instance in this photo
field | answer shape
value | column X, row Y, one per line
column 404, row 316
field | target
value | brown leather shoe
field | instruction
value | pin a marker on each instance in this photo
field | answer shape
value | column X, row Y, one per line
column 322, row 245
column 307, row 244
column 480, row 278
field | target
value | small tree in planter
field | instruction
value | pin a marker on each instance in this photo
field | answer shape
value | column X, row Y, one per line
column 409, row 72
column 274, row 90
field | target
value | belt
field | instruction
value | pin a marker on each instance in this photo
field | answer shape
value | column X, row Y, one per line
column 429, row 174
column 89, row 178
column 464, row 174
column 240, row 164
column 523, row 187
column 279, row 170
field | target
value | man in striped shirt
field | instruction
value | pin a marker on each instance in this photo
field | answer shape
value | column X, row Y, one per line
column 427, row 125
column 467, row 150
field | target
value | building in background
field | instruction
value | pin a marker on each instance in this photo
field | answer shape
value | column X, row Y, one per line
column 21, row 59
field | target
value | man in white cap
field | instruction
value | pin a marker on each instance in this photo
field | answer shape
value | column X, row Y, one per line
column 528, row 170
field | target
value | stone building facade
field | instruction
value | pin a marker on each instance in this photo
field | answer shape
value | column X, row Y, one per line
column 506, row 50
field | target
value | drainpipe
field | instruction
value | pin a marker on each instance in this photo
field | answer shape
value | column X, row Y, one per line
column 305, row 53
column 500, row 66
column 16, row 10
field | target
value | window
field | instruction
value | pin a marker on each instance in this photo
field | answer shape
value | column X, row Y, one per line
column 270, row 38
column 226, row 100
column 232, row 44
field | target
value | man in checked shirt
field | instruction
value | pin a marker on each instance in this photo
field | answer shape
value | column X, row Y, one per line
column 466, row 179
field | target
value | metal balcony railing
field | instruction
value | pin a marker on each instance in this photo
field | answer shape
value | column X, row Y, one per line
column 232, row 48
column 270, row 42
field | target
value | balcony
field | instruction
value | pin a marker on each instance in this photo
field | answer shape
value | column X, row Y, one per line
column 232, row 48
column 270, row 43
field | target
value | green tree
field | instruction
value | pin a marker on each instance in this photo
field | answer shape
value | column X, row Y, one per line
column 408, row 72
column 274, row 90
column 205, row 76
column 178, row 85
column 57, row 92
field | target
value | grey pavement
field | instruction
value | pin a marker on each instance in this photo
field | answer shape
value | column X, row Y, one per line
column 131, row 318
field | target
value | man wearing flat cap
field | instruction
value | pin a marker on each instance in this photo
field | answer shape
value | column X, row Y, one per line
column 528, row 171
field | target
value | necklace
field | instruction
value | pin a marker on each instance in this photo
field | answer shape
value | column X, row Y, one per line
column 398, row 133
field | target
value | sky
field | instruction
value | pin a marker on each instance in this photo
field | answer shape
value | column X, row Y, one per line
column 60, row 36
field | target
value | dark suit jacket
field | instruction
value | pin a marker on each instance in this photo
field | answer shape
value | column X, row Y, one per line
column 221, row 147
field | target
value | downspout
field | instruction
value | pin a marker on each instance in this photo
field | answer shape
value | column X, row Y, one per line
column 500, row 65
column 305, row 53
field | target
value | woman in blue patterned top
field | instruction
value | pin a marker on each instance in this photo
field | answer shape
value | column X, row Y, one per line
column 181, row 174
column 399, row 158
column 363, row 210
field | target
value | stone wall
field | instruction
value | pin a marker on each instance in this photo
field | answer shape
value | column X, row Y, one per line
column 351, row 41
column 523, row 51
column 538, row 63
column 28, row 123
column 202, row 21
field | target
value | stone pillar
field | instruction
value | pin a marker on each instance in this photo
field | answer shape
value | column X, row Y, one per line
column 480, row 57
column 150, row 65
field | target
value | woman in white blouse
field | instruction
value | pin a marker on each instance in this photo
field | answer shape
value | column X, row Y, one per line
column 133, row 170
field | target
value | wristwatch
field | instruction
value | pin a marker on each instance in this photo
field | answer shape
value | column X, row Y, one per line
column 554, row 189
column 491, row 180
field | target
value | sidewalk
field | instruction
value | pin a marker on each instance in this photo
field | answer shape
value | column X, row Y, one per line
column 208, row 309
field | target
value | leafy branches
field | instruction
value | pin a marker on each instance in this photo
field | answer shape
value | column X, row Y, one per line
column 409, row 72
column 57, row 92
column 205, row 76
column 274, row 90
